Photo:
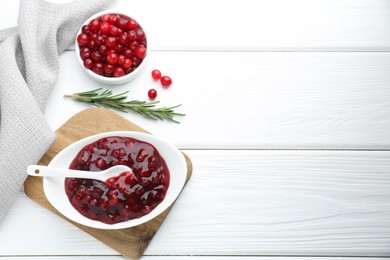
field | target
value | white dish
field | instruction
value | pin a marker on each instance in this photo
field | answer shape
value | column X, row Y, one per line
column 54, row 188
column 113, row 80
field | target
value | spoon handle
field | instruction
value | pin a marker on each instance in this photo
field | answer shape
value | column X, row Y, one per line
column 44, row 171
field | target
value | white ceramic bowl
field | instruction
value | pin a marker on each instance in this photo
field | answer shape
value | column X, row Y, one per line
column 54, row 188
column 113, row 80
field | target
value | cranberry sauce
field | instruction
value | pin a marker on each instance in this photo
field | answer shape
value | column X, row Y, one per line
column 127, row 196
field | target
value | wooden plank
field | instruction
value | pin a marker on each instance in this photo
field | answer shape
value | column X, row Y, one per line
column 279, row 25
column 267, row 101
column 276, row 203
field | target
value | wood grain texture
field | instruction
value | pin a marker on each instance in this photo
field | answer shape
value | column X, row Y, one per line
column 130, row 242
column 267, row 101
column 281, row 25
column 324, row 203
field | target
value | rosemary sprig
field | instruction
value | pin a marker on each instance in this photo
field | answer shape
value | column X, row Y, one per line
column 107, row 99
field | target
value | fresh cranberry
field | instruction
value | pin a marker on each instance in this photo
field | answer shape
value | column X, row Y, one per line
column 132, row 36
column 140, row 52
column 152, row 93
column 105, row 18
column 166, row 81
column 82, row 39
column 84, row 53
column 124, row 38
column 85, row 29
column 122, row 23
column 118, row 72
column 96, row 56
column 127, row 196
column 88, row 63
column 105, row 28
column 108, row 68
column 114, row 30
column 92, row 44
column 156, row 74
column 98, row 68
column 119, row 48
column 112, row 58
column 93, row 36
column 132, row 24
column 111, row 42
column 94, row 25
column 100, row 40
column 113, row 19
column 127, row 64
column 121, row 60
column 103, row 49
column 140, row 34
column 128, row 53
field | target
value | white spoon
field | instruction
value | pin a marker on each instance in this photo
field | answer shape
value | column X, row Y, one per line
column 45, row 171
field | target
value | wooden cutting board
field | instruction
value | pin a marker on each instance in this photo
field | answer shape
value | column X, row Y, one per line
column 130, row 242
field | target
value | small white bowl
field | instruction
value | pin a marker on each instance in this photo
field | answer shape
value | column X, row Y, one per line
column 54, row 188
column 113, row 80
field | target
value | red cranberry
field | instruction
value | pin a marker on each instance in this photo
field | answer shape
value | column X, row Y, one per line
column 111, row 42
column 119, row 48
column 98, row 68
column 140, row 52
column 140, row 34
column 132, row 36
column 96, row 56
column 112, row 58
column 92, row 44
column 152, row 93
column 103, row 49
column 118, row 72
column 127, row 64
column 93, row 36
column 122, row 23
column 124, row 38
column 108, row 68
column 121, row 60
column 94, row 25
column 88, row 63
column 128, row 53
column 100, row 40
column 105, row 18
column 85, row 29
column 166, row 81
column 114, row 30
column 84, row 53
column 113, row 19
column 132, row 24
column 82, row 39
column 105, row 28
column 156, row 74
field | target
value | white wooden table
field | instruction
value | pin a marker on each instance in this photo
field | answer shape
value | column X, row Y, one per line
column 288, row 128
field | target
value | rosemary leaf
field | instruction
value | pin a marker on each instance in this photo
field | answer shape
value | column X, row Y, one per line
column 105, row 98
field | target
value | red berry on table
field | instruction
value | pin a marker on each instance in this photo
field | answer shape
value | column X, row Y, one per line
column 82, row 39
column 156, row 74
column 166, row 81
column 152, row 93
column 140, row 52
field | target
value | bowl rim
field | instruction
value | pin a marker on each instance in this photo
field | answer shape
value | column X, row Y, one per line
column 101, row 78
column 176, row 164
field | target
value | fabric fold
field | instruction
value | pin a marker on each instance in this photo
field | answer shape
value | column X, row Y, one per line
column 29, row 69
